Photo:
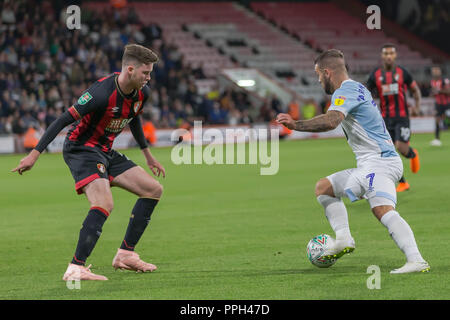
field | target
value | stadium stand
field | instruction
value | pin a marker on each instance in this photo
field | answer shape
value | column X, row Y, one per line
column 334, row 27
column 44, row 66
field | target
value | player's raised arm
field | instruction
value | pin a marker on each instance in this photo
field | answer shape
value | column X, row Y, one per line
column 49, row 135
column 331, row 70
column 321, row 123
column 89, row 101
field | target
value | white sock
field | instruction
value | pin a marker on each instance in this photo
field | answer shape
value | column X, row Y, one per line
column 337, row 215
column 402, row 235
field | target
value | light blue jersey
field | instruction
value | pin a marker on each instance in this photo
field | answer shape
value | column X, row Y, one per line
column 363, row 124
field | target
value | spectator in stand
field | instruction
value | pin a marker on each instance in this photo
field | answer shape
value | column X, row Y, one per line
column 198, row 71
column 276, row 104
column 234, row 117
column 325, row 103
column 226, row 99
column 4, row 126
column 45, row 67
column 294, row 108
column 152, row 32
column 216, row 114
column 246, row 118
column 309, row 109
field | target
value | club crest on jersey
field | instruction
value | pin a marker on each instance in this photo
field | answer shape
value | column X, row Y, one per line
column 339, row 101
column 136, row 106
column 101, row 167
column 84, row 98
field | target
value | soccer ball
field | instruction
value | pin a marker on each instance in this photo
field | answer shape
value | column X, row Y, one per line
column 315, row 249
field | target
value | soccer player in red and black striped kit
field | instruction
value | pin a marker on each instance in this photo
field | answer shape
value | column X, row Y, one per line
column 391, row 82
column 440, row 89
column 100, row 114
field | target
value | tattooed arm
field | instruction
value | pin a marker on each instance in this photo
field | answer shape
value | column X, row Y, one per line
column 321, row 123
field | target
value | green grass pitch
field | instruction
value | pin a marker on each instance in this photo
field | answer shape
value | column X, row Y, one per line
column 224, row 231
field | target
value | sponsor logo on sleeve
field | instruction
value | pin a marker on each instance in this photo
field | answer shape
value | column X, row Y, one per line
column 339, row 101
column 84, row 98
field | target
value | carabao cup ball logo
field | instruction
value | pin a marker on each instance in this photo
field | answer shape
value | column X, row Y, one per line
column 315, row 249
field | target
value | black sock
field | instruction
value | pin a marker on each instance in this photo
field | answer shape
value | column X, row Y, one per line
column 411, row 154
column 89, row 234
column 402, row 179
column 140, row 217
column 437, row 131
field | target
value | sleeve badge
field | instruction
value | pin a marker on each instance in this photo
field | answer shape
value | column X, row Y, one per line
column 339, row 101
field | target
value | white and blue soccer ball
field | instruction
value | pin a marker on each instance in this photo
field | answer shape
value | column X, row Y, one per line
column 316, row 248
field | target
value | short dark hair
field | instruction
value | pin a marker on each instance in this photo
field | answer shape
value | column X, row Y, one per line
column 389, row 45
column 332, row 59
column 135, row 53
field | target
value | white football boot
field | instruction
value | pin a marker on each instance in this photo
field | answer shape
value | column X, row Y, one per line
column 416, row 266
column 436, row 143
column 339, row 247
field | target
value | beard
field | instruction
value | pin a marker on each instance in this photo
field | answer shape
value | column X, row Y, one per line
column 327, row 86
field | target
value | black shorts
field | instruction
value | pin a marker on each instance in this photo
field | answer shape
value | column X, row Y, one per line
column 399, row 129
column 440, row 109
column 89, row 163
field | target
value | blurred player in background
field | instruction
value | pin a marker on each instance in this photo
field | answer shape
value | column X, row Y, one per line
column 391, row 82
column 378, row 164
column 101, row 113
column 440, row 89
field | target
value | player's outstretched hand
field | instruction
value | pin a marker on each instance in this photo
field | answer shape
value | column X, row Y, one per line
column 156, row 167
column 27, row 162
column 286, row 120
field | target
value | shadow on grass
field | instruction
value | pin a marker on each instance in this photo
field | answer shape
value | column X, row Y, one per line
column 343, row 270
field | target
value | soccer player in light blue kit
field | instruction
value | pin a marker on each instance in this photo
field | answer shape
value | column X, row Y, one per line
column 378, row 169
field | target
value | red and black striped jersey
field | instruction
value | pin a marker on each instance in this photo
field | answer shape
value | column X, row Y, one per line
column 391, row 87
column 438, row 85
column 103, row 111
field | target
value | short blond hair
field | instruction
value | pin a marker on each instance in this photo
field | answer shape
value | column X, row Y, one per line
column 138, row 55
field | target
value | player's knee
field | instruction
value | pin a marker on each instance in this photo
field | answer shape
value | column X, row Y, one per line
column 108, row 205
column 323, row 187
column 158, row 190
column 153, row 190
column 380, row 211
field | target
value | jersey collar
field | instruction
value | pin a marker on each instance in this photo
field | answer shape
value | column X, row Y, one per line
column 346, row 81
column 125, row 96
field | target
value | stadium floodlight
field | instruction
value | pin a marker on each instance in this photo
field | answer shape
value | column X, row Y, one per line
column 257, row 84
column 246, row 83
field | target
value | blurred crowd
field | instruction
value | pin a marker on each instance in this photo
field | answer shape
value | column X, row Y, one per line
column 45, row 67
